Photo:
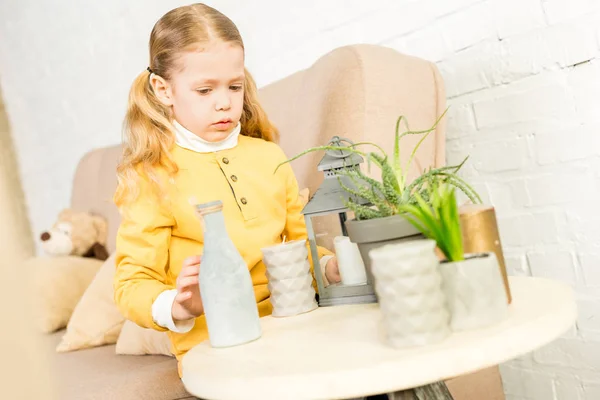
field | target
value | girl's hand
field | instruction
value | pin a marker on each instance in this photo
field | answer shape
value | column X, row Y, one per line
column 188, row 303
column 332, row 271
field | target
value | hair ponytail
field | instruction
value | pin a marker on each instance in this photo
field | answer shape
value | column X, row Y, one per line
column 148, row 139
column 255, row 122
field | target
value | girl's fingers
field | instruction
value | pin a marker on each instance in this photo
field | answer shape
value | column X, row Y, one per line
column 190, row 270
column 187, row 281
column 191, row 261
column 183, row 296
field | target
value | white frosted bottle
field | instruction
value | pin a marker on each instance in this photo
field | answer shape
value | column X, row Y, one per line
column 225, row 284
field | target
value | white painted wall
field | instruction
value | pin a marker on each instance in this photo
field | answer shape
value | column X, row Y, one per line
column 522, row 76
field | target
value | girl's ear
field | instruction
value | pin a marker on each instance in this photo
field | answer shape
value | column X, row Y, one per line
column 162, row 90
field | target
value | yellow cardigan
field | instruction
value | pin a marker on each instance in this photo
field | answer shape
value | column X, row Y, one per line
column 154, row 238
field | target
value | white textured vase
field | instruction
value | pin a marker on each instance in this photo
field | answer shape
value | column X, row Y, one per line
column 290, row 280
column 475, row 292
column 409, row 292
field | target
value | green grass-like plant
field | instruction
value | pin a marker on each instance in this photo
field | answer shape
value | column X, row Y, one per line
column 392, row 192
column 438, row 219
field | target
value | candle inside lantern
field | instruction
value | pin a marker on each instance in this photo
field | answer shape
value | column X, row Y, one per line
column 350, row 262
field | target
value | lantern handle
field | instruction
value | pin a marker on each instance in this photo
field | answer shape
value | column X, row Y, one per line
column 337, row 141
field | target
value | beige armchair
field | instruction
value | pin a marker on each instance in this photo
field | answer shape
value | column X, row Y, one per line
column 355, row 92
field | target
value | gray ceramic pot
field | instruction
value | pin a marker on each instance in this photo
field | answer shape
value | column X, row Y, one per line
column 373, row 233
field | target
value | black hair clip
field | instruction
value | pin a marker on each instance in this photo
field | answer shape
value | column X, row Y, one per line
column 149, row 70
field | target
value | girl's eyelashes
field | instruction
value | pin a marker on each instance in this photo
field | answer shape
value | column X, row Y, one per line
column 204, row 91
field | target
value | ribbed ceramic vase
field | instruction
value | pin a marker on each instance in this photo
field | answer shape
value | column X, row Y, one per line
column 289, row 278
column 409, row 291
column 225, row 284
column 475, row 291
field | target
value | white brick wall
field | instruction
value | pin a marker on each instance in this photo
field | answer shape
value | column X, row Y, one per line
column 522, row 77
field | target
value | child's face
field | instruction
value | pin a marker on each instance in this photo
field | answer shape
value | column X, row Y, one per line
column 206, row 91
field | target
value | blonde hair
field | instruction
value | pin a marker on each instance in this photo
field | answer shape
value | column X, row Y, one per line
column 147, row 127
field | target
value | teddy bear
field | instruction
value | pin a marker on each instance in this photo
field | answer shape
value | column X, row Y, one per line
column 76, row 233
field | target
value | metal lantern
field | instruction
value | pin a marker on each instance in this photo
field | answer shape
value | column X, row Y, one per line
column 329, row 199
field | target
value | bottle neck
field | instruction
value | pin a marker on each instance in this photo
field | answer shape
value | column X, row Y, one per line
column 214, row 225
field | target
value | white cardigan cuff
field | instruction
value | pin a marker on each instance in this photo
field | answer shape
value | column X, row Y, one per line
column 161, row 313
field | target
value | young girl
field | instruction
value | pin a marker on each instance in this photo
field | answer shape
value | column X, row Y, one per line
column 194, row 129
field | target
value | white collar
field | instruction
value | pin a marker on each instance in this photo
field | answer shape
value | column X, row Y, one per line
column 188, row 140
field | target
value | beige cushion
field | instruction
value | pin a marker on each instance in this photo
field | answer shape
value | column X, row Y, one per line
column 96, row 319
column 135, row 340
column 58, row 285
column 357, row 92
column 483, row 384
column 94, row 185
column 98, row 374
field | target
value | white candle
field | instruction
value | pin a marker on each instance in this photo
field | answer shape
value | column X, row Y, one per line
column 350, row 262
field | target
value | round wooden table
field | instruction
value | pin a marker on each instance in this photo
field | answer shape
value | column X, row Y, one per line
column 339, row 352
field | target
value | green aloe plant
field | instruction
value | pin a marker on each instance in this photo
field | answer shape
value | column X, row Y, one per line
column 388, row 195
column 438, row 219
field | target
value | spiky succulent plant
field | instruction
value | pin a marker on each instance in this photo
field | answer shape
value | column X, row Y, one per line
column 388, row 196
